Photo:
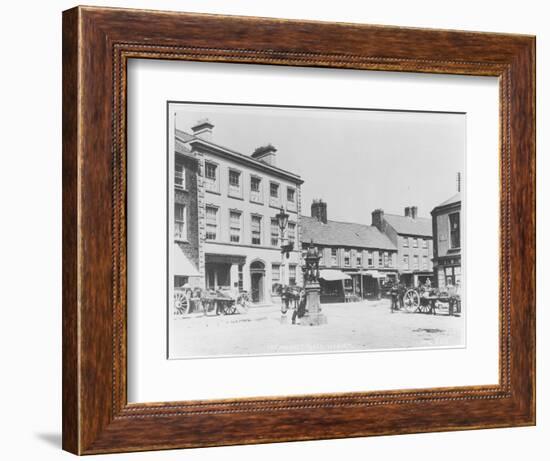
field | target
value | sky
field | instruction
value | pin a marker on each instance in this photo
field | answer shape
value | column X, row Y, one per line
column 355, row 160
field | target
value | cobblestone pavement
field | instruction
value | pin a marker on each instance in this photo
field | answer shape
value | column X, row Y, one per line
column 365, row 325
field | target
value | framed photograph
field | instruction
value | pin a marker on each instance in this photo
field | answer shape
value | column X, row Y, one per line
column 282, row 230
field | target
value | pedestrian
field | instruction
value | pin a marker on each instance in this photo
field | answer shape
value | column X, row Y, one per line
column 285, row 298
column 394, row 292
column 300, row 307
column 401, row 289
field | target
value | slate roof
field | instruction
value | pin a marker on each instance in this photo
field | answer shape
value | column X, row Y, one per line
column 182, row 148
column 184, row 136
column 409, row 226
column 454, row 199
column 336, row 233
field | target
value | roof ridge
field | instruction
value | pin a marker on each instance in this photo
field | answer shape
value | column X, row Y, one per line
column 457, row 197
column 243, row 156
column 341, row 222
column 401, row 216
column 345, row 234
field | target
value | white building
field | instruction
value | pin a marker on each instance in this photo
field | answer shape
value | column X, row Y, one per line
column 238, row 198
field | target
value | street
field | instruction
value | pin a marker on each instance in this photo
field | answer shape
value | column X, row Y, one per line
column 365, row 325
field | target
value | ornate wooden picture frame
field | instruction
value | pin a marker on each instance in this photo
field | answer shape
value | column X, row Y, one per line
column 97, row 44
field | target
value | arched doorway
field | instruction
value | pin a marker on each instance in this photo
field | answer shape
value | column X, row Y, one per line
column 257, row 281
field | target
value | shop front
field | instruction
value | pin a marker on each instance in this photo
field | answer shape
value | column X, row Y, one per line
column 333, row 285
column 415, row 279
column 224, row 271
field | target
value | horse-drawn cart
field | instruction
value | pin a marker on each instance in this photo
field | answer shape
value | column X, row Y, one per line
column 220, row 301
column 429, row 301
column 224, row 301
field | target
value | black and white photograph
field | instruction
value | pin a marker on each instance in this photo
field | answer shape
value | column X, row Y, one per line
column 299, row 230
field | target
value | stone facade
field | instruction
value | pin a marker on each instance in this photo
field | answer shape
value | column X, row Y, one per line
column 186, row 196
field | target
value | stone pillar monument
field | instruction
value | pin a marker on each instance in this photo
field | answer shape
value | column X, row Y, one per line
column 313, row 315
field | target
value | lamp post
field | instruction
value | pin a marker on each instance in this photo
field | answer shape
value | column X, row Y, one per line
column 286, row 248
column 282, row 220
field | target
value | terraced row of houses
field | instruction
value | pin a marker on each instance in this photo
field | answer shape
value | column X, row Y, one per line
column 226, row 232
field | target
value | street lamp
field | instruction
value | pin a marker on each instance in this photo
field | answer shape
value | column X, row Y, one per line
column 282, row 220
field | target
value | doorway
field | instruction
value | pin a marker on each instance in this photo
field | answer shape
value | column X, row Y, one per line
column 257, row 281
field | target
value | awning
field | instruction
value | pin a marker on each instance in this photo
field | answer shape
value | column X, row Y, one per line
column 182, row 265
column 374, row 274
column 331, row 274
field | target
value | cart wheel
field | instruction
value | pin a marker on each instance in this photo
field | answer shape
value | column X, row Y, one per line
column 411, row 301
column 229, row 308
column 425, row 308
column 180, row 303
column 244, row 301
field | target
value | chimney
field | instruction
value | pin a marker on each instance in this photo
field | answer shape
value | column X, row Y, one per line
column 265, row 154
column 408, row 211
column 319, row 210
column 378, row 218
column 203, row 129
column 414, row 212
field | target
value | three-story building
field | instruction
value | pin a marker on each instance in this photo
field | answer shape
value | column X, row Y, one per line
column 412, row 236
column 238, row 198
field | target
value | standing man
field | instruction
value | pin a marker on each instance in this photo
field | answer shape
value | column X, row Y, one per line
column 394, row 292
column 401, row 289
column 300, row 307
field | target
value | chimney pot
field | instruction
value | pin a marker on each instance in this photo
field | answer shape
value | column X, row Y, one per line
column 319, row 210
column 203, row 129
column 378, row 218
column 265, row 154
